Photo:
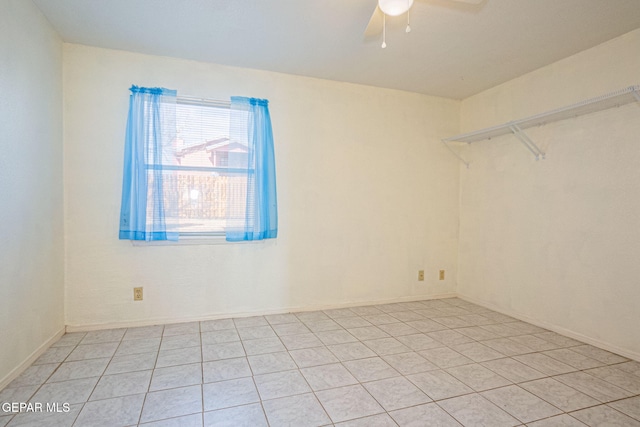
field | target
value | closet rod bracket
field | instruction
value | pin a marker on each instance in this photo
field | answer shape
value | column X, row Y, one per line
column 526, row 141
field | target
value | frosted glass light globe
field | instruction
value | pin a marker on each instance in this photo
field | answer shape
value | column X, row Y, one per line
column 395, row 7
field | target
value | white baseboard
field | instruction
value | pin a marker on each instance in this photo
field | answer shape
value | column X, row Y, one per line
column 29, row 360
column 166, row 320
column 566, row 332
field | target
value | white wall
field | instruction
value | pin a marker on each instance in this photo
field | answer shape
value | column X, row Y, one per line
column 367, row 196
column 558, row 241
column 31, row 215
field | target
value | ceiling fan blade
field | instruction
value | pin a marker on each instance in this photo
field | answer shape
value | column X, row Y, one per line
column 374, row 27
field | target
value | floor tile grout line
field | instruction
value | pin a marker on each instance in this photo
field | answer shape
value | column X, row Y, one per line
column 260, row 400
column 98, row 381
column 202, row 402
column 75, row 420
column 460, row 421
column 604, row 404
column 144, row 401
column 542, row 399
column 45, row 381
column 314, row 394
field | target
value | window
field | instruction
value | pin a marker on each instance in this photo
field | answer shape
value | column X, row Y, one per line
column 205, row 170
column 197, row 168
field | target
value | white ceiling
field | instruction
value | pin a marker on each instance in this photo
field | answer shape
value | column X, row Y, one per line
column 454, row 50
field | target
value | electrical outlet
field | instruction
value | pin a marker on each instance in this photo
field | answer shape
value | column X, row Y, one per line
column 421, row 275
column 441, row 275
column 137, row 294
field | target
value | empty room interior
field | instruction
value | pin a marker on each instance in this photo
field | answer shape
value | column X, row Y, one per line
column 320, row 213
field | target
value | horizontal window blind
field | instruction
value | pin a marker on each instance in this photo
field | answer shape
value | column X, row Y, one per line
column 204, row 172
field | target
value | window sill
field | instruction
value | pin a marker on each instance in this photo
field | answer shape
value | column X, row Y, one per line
column 193, row 240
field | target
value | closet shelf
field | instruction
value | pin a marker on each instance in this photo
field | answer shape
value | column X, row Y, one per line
column 517, row 127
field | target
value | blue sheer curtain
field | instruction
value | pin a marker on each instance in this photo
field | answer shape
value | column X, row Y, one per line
column 151, row 131
column 250, row 125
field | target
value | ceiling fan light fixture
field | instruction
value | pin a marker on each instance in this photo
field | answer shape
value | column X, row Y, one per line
column 394, row 7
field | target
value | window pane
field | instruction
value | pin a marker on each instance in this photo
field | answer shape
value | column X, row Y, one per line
column 196, row 202
column 200, row 170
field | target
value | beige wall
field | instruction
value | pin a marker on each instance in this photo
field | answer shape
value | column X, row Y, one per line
column 558, row 241
column 31, row 215
column 367, row 197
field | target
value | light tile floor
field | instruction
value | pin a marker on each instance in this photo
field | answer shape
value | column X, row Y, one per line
column 437, row 362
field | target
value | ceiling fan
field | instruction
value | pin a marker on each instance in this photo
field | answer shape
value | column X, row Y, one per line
column 384, row 8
